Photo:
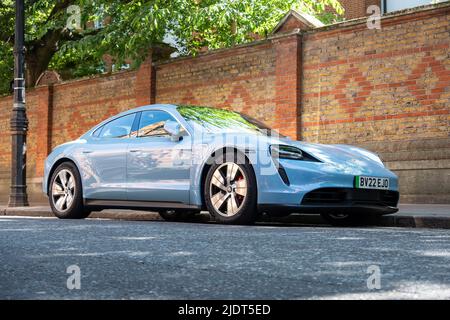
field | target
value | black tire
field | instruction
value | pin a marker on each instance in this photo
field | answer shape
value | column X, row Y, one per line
column 75, row 210
column 247, row 212
column 344, row 219
column 178, row 215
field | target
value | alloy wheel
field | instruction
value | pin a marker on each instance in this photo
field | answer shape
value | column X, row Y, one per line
column 63, row 190
column 228, row 189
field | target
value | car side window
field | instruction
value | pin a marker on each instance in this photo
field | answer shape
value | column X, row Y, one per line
column 152, row 124
column 119, row 128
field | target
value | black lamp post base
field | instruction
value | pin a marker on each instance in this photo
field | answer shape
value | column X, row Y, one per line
column 18, row 197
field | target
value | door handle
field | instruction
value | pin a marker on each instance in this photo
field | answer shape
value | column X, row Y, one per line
column 135, row 150
column 87, row 151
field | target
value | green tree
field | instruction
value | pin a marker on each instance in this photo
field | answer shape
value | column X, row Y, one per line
column 132, row 26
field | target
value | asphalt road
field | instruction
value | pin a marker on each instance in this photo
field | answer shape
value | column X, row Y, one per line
column 161, row 260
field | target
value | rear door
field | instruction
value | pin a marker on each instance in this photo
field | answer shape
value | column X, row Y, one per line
column 103, row 160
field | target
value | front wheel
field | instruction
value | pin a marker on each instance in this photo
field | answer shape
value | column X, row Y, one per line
column 65, row 193
column 230, row 190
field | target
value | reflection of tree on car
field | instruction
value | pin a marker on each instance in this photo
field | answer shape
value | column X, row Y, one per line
column 212, row 119
column 156, row 129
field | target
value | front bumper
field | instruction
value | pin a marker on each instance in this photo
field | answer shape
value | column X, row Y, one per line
column 340, row 200
column 297, row 179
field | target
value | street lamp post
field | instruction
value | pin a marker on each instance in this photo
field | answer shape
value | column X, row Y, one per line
column 19, row 123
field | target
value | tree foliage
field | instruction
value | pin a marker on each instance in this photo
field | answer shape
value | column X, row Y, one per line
column 132, row 26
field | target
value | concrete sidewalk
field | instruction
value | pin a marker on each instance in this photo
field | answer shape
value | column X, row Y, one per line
column 409, row 216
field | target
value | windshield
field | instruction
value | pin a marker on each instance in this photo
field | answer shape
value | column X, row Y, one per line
column 214, row 120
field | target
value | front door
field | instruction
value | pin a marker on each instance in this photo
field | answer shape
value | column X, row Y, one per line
column 158, row 169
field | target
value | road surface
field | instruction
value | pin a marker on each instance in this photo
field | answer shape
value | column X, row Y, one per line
column 161, row 260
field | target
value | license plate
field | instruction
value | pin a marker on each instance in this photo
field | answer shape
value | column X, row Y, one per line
column 363, row 182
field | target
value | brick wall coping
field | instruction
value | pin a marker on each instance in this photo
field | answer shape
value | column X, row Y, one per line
column 76, row 81
column 94, row 77
column 404, row 15
column 243, row 46
column 28, row 91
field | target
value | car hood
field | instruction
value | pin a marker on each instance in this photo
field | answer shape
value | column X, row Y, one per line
column 326, row 153
column 333, row 152
column 341, row 158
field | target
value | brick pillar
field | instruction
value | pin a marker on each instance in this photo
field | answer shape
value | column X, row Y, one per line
column 145, row 82
column 287, row 85
column 43, row 126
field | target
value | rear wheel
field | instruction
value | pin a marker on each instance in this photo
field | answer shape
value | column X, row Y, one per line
column 343, row 219
column 230, row 190
column 65, row 193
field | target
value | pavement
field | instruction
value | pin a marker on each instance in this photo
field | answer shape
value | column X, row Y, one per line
column 49, row 258
column 409, row 216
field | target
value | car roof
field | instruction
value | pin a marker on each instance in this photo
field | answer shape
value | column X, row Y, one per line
column 171, row 108
column 168, row 107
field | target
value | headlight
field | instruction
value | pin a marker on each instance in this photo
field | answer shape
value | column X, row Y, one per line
column 286, row 152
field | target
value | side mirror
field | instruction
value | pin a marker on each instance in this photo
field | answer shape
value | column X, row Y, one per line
column 174, row 129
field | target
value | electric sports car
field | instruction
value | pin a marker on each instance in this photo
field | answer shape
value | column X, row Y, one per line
column 179, row 160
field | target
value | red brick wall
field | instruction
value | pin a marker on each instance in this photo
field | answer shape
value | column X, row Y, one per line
column 243, row 78
column 6, row 104
column 288, row 85
column 79, row 105
column 378, row 85
column 34, row 138
column 38, row 138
